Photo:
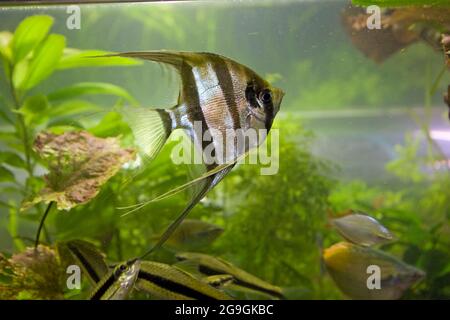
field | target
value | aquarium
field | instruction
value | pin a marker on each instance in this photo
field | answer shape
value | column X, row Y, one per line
column 225, row 150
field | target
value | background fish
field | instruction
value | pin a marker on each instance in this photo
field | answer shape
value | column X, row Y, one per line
column 193, row 234
column 362, row 229
column 118, row 283
column 219, row 94
column 163, row 281
column 219, row 281
column 243, row 281
column 88, row 258
column 347, row 264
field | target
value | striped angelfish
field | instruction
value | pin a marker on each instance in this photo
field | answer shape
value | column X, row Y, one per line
column 218, row 96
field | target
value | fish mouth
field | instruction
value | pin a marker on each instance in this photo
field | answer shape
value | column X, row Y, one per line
column 257, row 117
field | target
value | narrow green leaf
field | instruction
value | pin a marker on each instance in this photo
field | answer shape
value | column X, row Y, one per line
column 72, row 107
column 75, row 59
column 5, row 48
column 20, row 72
column 5, row 112
column 6, row 175
column 64, row 122
column 45, row 61
column 12, row 159
column 91, row 88
column 29, row 34
column 8, row 136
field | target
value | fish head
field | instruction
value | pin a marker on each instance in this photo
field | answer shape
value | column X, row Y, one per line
column 127, row 272
column 384, row 235
column 263, row 101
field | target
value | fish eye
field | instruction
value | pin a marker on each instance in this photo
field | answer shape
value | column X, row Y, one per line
column 265, row 96
column 123, row 267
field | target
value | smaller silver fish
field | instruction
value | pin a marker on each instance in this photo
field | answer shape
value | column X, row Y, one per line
column 362, row 229
column 118, row 283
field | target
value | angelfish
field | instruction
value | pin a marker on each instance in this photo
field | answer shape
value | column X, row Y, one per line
column 217, row 96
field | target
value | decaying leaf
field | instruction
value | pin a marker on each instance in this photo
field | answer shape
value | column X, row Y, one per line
column 446, row 47
column 32, row 274
column 79, row 164
column 399, row 28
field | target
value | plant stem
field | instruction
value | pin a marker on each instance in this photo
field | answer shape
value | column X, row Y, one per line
column 41, row 224
column 22, row 124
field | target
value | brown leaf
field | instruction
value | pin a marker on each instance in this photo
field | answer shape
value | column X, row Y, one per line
column 446, row 47
column 399, row 28
column 79, row 165
column 32, row 274
column 376, row 44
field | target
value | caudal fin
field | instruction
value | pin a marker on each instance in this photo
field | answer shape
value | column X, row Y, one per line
column 150, row 127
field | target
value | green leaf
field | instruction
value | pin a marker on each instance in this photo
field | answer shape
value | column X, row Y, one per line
column 45, row 60
column 5, row 112
column 91, row 88
column 6, row 175
column 111, row 125
column 5, row 48
column 75, row 59
column 79, row 165
column 29, row 34
column 34, row 109
column 72, row 107
column 12, row 159
column 66, row 124
column 20, row 72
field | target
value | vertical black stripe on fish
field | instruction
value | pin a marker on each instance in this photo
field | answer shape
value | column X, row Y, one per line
column 223, row 74
column 167, row 121
column 268, row 109
column 173, row 286
column 90, row 270
column 192, row 100
column 104, row 287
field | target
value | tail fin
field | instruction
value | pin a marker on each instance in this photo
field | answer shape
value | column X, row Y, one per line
column 150, row 127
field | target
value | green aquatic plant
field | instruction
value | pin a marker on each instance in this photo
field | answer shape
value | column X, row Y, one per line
column 29, row 56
